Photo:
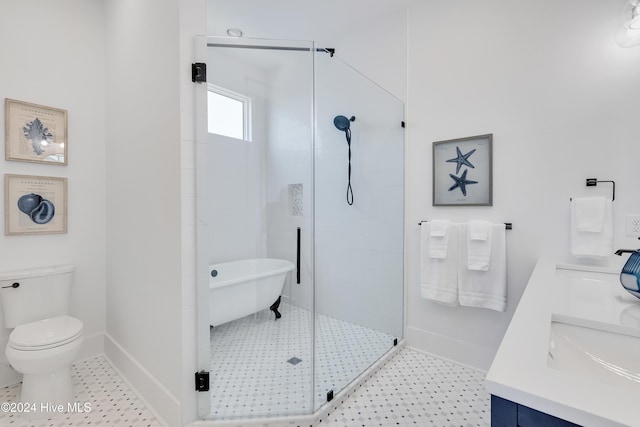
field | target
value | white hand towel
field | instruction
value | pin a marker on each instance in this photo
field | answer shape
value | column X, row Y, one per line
column 592, row 244
column 590, row 213
column 438, row 276
column 438, row 238
column 485, row 289
column 479, row 244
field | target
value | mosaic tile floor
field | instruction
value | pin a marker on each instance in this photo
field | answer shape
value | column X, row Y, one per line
column 251, row 375
column 415, row 389
column 108, row 399
column 412, row 389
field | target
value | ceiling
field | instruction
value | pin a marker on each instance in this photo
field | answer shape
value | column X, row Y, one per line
column 324, row 21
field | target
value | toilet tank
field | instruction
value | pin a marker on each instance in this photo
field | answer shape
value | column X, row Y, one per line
column 40, row 293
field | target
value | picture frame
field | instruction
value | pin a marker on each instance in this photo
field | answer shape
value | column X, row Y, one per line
column 463, row 171
column 35, row 133
column 35, row 204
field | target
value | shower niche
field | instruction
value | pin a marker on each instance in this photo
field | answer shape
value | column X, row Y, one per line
column 296, row 182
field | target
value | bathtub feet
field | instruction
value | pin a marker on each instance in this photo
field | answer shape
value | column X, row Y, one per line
column 274, row 308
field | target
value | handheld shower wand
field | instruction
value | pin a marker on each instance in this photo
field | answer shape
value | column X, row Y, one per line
column 343, row 124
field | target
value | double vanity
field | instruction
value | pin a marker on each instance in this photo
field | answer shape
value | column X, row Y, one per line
column 571, row 354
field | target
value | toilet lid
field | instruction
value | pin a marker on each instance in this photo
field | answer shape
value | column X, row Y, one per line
column 47, row 333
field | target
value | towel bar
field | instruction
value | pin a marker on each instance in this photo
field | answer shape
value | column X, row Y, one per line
column 507, row 225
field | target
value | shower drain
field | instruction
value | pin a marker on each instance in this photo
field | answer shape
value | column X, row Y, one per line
column 294, row 360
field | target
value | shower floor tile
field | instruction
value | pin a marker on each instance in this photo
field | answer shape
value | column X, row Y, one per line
column 251, row 372
column 109, row 401
column 416, row 389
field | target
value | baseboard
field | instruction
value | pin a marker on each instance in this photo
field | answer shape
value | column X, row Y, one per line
column 92, row 346
column 155, row 396
column 458, row 351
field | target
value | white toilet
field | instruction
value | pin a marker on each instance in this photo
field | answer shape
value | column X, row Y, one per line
column 45, row 340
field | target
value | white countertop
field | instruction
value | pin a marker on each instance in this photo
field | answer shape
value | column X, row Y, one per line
column 580, row 295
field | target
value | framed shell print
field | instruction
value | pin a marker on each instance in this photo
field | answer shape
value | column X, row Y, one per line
column 35, row 133
column 35, row 204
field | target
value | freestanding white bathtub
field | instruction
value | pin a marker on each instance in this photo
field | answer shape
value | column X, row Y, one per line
column 240, row 288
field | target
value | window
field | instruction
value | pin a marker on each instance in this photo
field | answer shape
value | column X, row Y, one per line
column 228, row 113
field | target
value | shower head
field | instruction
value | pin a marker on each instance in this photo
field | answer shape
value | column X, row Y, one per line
column 342, row 123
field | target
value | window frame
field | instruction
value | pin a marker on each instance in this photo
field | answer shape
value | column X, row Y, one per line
column 246, row 108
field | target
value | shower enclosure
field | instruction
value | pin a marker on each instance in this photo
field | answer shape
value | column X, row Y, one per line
column 285, row 179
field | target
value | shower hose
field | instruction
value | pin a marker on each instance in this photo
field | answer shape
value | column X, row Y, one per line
column 349, row 189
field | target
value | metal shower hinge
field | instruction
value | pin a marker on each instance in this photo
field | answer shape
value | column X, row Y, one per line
column 199, row 72
column 202, row 381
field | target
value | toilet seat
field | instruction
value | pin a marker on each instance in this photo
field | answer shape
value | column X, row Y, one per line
column 45, row 334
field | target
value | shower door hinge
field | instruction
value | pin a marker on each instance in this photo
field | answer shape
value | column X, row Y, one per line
column 199, row 72
column 402, row 124
column 202, row 381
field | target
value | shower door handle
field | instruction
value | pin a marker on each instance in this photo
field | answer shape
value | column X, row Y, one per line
column 298, row 258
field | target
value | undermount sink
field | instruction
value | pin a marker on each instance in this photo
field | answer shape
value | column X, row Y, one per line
column 609, row 357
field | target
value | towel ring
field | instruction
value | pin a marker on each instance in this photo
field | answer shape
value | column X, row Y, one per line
column 592, row 182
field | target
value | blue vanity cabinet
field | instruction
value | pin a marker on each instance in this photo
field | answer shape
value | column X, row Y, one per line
column 505, row 413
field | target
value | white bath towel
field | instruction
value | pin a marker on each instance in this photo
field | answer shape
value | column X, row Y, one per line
column 438, row 238
column 438, row 276
column 585, row 241
column 485, row 289
column 479, row 245
column 590, row 213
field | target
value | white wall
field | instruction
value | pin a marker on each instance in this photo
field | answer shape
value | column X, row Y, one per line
column 371, row 36
column 143, row 138
column 359, row 248
column 236, row 180
column 144, row 223
column 193, row 141
column 45, row 62
column 376, row 46
column 559, row 97
column 289, row 161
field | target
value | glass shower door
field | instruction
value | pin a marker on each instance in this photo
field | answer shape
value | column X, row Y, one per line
column 304, row 163
column 359, row 214
column 260, row 206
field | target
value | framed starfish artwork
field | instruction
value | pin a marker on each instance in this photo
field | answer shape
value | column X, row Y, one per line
column 463, row 171
column 35, row 133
